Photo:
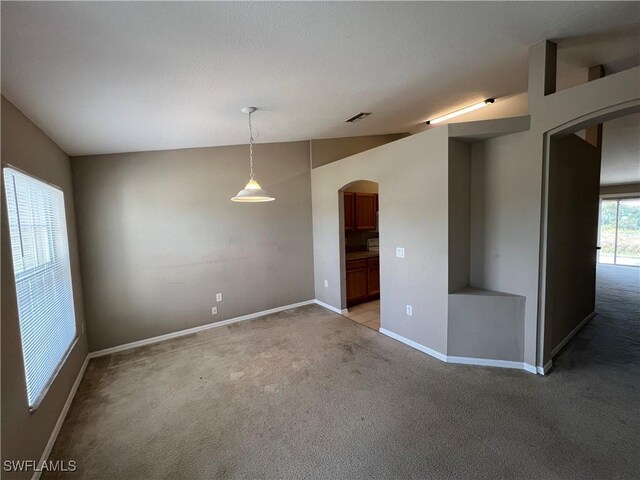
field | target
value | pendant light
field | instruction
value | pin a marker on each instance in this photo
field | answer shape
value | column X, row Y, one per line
column 252, row 192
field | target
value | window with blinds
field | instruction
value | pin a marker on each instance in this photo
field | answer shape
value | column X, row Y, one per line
column 40, row 252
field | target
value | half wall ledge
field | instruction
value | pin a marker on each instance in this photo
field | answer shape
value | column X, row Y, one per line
column 486, row 324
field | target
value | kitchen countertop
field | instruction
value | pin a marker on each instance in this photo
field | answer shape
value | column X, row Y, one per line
column 361, row 255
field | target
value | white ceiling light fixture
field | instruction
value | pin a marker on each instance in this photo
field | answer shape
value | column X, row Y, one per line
column 252, row 192
column 462, row 111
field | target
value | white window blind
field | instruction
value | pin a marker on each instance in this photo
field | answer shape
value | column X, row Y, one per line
column 40, row 251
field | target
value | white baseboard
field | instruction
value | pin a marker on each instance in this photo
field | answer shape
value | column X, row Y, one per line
column 188, row 331
column 61, row 418
column 486, row 362
column 530, row 368
column 331, row 307
column 544, row 369
column 416, row 345
column 566, row 339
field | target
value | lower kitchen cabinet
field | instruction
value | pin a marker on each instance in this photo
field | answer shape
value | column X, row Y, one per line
column 363, row 280
column 373, row 280
column 356, row 285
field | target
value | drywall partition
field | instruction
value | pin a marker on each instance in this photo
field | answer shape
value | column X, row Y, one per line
column 160, row 237
column 487, row 297
column 413, row 185
column 574, row 179
column 486, row 325
column 25, row 435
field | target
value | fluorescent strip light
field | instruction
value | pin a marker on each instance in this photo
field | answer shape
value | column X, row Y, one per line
column 462, row 111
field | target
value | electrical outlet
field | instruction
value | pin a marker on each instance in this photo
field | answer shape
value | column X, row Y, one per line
column 326, row 284
column 214, row 310
column 400, row 252
column 409, row 310
column 218, row 297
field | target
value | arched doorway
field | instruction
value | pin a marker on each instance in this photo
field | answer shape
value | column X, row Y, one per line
column 359, row 257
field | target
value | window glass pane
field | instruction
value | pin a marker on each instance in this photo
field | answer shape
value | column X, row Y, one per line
column 607, row 231
column 40, row 252
column 628, row 246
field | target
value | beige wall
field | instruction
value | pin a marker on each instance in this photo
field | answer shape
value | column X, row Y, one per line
column 504, row 228
column 24, row 434
column 621, row 151
column 486, row 325
column 159, row 237
column 363, row 187
column 329, row 150
column 410, row 217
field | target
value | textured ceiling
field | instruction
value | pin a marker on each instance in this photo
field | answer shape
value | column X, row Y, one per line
column 102, row 77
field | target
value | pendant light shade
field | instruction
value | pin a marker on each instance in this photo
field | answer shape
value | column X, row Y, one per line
column 252, row 192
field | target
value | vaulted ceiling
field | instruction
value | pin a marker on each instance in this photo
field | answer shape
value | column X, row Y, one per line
column 101, row 77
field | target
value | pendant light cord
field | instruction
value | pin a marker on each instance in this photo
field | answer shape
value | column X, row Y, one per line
column 250, row 146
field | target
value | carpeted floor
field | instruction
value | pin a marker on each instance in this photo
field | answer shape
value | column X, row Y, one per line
column 310, row 394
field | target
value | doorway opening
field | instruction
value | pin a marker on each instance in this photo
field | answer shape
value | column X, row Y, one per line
column 618, row 267
column 360, row 261
column 592, row 241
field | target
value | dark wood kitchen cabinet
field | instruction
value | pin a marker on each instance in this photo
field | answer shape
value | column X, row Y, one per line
column 360, row 211
column 356, row 281
column 349, row 211
column 363, row 280
column 366, row 207
column 373, row 277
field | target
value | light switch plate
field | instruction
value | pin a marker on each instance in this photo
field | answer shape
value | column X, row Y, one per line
column 400, row 252
column 326, row 284
column 218, row 297
column 409, row 310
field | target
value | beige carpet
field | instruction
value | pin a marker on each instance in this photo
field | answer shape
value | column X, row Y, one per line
column 310, row 394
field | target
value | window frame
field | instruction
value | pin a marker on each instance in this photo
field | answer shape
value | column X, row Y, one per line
column 617, row 197
column 77, row 328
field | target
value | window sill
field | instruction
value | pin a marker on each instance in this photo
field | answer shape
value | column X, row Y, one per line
column 33, row 408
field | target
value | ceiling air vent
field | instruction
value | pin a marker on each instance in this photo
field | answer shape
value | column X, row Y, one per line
column 357, row 117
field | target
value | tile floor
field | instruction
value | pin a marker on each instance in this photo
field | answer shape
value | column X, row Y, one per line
column 367, row 314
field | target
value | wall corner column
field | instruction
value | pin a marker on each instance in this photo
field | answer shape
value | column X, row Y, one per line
column 542, row 70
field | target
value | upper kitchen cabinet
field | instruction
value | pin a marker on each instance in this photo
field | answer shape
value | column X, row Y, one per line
column 366, row 208
column 360, row 211
column 349, row 211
